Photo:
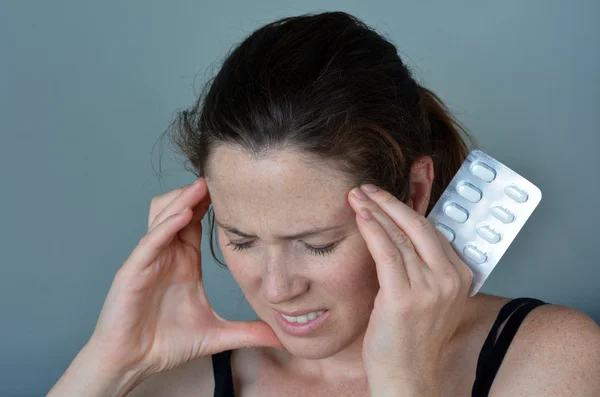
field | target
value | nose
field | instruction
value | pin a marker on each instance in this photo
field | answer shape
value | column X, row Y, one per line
column 280, row 286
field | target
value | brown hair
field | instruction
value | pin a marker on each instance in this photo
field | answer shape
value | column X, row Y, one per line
column 330, row 87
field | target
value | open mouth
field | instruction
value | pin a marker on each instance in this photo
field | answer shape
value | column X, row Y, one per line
column 301, row 325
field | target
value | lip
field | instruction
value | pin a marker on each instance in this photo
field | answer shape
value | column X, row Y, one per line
column 297, row 313
column 297, row 329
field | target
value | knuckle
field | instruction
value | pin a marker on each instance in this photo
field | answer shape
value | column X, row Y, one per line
column 390, row 258
column 420, row 223
column 386, row 197
column 154, row 202
column 400, row 238
column 146, row 240
column 450, row 283
column 468, row 276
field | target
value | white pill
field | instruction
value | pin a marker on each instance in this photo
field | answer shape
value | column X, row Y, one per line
column 474, row 254
column 483, row 172
column 469, row 192
column 520, row 196
column 446, row 231
column 456, row 212
column 489, row 234
column 502, row 214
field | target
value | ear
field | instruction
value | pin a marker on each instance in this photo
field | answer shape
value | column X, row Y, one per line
column 421, row 182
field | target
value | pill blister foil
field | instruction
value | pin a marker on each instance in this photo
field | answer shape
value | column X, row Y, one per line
column 504, row 205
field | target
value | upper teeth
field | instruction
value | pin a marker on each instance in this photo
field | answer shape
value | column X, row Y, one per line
column 304, row 318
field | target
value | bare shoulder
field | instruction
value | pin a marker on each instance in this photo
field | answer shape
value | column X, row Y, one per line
column 192, row 379
column 555, row 352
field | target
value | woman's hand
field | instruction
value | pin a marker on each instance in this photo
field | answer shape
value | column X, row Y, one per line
column 156, row 315
column 423, row 289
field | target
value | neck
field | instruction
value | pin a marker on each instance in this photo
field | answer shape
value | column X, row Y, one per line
column 345, row 365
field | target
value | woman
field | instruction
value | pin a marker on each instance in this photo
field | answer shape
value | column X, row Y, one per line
column 321, row 157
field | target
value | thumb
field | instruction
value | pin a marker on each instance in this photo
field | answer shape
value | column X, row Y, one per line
column 232, row 335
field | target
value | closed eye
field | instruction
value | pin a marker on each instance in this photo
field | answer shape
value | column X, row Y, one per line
column 312, row 250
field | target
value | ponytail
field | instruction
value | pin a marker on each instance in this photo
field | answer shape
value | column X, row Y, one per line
column 450, row 143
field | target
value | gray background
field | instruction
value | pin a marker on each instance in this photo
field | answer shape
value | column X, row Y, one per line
column 87, row 88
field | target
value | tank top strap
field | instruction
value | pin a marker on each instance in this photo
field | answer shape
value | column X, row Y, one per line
column 222, row 372
column 495, row 347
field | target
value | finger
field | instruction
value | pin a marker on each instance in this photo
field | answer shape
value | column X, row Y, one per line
column 464, row 271
column 242, row 334
column 414, row 265
column 188, row 198
column 192, row 233
column 448, row 250
column 151, row 245
column 159, row 203
column 415, row 225
column 391, row 271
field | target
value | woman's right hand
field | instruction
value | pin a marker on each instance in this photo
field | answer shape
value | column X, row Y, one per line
column 156, row 314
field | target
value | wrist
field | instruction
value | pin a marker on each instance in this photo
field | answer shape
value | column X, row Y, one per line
column 89, row 375
column 116, row 381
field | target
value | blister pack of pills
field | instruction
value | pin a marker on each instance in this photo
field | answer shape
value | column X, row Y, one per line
column 481, row 211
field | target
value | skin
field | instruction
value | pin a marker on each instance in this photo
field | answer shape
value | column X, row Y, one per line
column 388, row 287
column 262, row 198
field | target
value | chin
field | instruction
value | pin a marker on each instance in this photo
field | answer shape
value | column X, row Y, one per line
column 329, row 339
column 311, row 349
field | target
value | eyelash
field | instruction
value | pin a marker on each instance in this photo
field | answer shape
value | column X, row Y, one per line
column 312, row 250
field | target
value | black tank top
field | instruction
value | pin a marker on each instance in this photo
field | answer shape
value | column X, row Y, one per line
column 491, row 355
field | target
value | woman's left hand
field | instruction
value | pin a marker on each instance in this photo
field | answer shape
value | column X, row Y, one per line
column 423, row 289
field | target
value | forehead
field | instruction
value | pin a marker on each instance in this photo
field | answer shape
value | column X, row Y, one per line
column 278, row 187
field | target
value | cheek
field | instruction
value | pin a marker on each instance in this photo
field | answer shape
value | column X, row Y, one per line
column 241, row 272
column 348, row 278
column 353, row 274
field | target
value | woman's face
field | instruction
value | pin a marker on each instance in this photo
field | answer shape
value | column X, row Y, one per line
column 258, row 205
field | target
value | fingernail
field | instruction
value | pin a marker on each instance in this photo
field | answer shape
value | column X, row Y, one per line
column 369, row 188
column 359, row 194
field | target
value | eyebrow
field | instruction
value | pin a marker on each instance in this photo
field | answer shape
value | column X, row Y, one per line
column 305, row 233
